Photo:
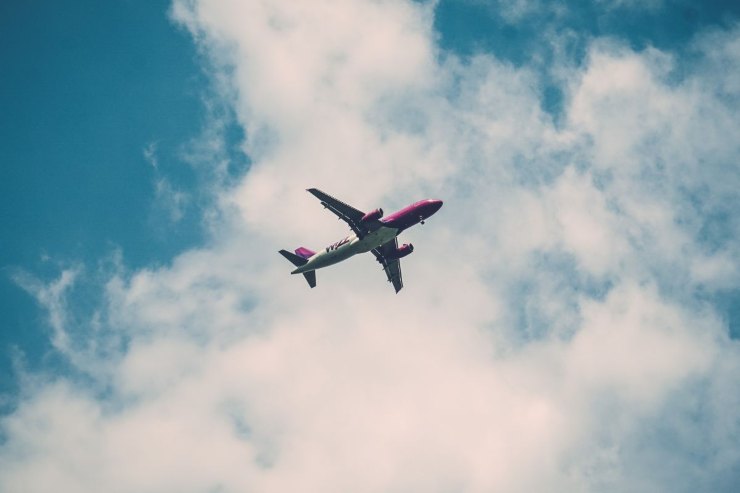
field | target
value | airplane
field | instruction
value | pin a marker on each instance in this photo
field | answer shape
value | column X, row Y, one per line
column 371, row 233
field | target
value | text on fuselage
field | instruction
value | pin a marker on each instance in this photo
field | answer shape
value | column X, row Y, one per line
column 336, row 245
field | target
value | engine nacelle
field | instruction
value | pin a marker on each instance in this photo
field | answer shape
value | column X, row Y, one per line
column 372, row 216
column 401, row 251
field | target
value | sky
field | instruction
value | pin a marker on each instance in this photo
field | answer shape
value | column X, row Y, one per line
column 570, row 318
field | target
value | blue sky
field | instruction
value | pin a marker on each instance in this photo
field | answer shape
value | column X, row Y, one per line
column 86, row 87
column 468, row 27
column 154, row 158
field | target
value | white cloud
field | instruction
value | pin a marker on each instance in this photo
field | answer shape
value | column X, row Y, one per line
column 167, row 197
column 52, row 299
column 549, row 319
column 170, row 199
column 150, row 155
column 649, row 5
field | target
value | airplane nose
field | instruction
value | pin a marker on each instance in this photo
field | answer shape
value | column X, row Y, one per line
column 434, row 206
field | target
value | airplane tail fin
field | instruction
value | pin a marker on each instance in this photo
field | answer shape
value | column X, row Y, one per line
column 300, row 258
column 304, row 252
column 293, row 258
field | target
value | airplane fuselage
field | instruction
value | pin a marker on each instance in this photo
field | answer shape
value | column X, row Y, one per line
column 371, row 233
column 390, row 227
column 347, row 247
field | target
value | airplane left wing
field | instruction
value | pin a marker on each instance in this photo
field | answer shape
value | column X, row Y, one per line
column 343, row 211
column 392, row 266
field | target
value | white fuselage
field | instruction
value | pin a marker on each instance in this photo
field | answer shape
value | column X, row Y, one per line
column 346, row 248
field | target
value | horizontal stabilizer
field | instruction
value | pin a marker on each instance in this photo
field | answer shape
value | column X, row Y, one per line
column 310, row 277
column 293, row 258
column 299, row 261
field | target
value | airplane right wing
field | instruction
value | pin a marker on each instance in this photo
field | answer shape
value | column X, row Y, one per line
column 343, row 211
column 391, row 266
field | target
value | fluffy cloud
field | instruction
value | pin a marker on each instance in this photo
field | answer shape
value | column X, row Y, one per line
column 556, row 332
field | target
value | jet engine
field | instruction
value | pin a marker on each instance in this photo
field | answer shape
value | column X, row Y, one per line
column 402, row 251
column 372, row 216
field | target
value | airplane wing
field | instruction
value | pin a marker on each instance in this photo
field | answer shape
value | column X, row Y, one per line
column 392, row 267
column 345, row 212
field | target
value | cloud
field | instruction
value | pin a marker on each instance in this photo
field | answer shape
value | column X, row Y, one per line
column 554, row 333
column 167, row 197
column 649, row 5
column 150, row 154
column 173, row 201
column 52, row 298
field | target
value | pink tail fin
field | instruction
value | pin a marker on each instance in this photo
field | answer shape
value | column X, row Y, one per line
column 304, row 252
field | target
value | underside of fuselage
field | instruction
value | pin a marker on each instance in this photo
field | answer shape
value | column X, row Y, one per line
column 348, row 247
